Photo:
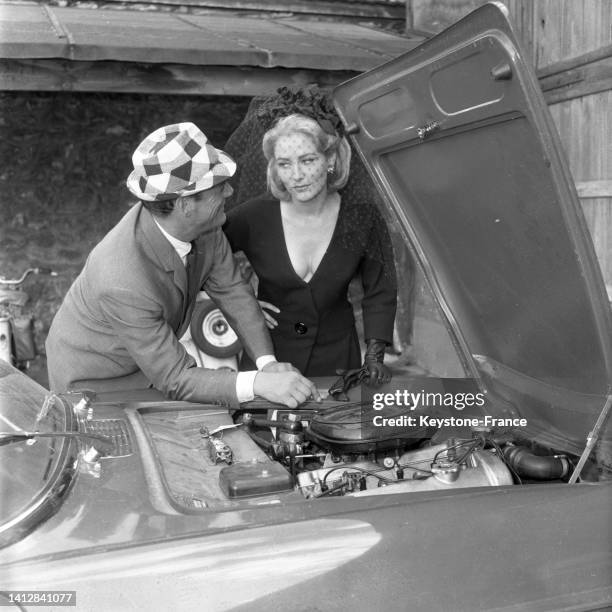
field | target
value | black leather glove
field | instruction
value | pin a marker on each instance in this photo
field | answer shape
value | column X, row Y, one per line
column 376, row 372
column 373, row 372
column 347, row 380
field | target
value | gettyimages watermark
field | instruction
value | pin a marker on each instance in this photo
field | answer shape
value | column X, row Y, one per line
column 416, row 407
column 422, row 398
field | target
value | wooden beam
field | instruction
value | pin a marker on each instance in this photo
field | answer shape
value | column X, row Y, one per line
column 337, row 8
column 126, row 77
column 575, row 62
column 577, row 90
column 578, row 80
column 594, row 189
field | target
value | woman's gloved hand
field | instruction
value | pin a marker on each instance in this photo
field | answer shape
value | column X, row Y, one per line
column 347, row 380
column 377, row 373
column 373, row 372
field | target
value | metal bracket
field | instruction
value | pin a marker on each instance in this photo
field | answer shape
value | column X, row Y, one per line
column 428, row 129
column 591, row 440
column 218, row 450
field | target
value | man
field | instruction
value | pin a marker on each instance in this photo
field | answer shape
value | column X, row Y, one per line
column 120, row 323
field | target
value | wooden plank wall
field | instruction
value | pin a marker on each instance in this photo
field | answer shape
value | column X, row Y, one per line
column 579, row 93
column 561, row 30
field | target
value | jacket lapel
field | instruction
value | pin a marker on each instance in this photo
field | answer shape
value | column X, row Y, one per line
column 163, row 251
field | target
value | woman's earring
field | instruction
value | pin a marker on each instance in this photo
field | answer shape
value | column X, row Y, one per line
column 330, row 170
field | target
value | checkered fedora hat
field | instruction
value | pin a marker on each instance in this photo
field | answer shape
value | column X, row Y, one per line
column 177, row 160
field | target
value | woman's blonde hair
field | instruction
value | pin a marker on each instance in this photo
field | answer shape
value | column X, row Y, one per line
column 328, row 144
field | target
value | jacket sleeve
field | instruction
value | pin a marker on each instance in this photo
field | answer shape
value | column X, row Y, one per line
column 234, row 296
column 139, row 325
column 379, row 280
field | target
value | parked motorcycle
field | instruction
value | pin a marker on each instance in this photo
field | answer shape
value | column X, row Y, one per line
column 17, row 344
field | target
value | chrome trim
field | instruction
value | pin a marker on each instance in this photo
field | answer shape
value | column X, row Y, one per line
column 45, row 504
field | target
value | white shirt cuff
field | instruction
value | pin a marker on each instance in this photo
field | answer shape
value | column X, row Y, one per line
column 264, row 360
column 244, row 385
column 245, row 381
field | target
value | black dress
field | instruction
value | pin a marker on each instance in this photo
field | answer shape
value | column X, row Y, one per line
column 316, row 326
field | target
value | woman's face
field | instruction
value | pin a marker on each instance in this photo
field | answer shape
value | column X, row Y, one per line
column 300, row 166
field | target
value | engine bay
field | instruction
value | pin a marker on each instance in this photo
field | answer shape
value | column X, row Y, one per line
column 216, row 459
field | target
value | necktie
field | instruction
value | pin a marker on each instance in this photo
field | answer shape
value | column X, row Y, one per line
column 191, row 268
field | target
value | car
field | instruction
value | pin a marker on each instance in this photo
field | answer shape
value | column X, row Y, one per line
column 490, row 490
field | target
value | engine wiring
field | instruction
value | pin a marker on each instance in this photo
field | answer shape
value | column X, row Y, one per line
column 414, row 465
column 359, row 469
column 472, row 446
column 373, row 473
column 328, row 492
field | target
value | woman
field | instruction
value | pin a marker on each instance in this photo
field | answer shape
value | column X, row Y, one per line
column 306, row 243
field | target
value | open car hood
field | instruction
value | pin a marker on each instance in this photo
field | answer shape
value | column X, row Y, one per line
column 462, row 147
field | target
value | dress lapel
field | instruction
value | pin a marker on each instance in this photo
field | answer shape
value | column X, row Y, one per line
column 327, row 256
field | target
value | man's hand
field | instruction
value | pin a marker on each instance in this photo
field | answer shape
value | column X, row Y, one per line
column 289, row 388
column 279, row 366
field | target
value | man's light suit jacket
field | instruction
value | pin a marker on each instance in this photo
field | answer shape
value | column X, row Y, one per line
column 126, row 311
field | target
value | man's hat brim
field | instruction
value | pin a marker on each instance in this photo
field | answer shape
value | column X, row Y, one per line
column 224, row 169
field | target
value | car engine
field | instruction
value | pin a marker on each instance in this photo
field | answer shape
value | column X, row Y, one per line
column 325, row 453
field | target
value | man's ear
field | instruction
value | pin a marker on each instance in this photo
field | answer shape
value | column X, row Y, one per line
column 184, row 205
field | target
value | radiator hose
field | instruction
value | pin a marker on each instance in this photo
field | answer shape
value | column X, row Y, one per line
column 537, row 467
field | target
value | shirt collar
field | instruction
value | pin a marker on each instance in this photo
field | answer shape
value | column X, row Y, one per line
column 180, row 246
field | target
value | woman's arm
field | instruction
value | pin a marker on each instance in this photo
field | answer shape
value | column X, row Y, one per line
column 379, row 280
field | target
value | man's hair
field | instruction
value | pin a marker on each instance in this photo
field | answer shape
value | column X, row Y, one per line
column 324, row 142
column 162, row 207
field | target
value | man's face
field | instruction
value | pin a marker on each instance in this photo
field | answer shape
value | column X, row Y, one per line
column 207, row 208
